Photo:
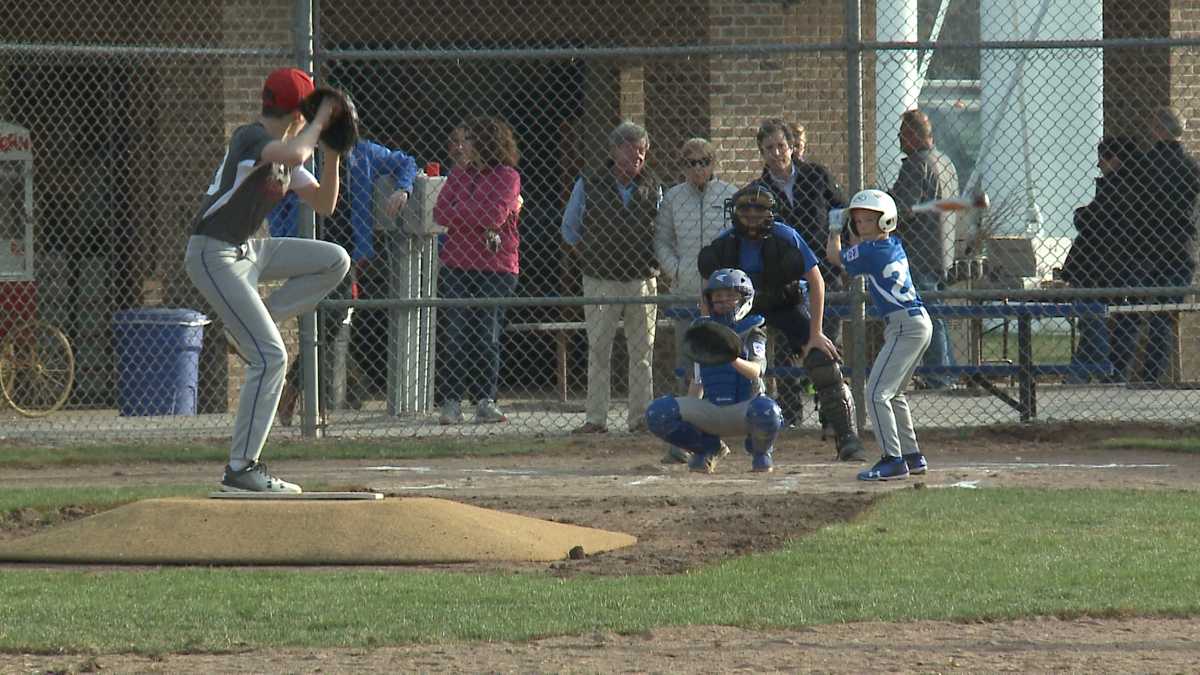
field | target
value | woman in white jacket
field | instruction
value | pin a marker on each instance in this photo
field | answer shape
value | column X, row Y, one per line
column 691, row 215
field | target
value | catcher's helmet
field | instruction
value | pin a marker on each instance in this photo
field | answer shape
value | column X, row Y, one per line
column 728, row 277
column 753, row 197
column 874, row 200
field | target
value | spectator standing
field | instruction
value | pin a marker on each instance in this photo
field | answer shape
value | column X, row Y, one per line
column 926, row 174
column 692, row 214
column 799, row 142
column 1166, row 181
column 479, row 206
column 608, row 226
column 805, row 192
column 1097, row 255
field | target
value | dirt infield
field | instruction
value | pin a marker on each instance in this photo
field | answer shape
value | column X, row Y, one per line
column 684, row 521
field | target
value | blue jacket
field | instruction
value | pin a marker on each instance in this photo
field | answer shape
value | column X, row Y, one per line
column 365, row 163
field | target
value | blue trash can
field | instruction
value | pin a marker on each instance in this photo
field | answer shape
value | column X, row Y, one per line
column 158, row 360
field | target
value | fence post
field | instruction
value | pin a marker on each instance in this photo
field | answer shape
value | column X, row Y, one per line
column 303, row 38
column 854, row 128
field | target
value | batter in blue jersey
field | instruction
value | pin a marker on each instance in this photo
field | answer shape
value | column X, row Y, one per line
column 875, row 254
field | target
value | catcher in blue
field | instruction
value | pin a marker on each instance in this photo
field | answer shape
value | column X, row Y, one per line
column 226, row 262
column 880, row 257
column 726, row 396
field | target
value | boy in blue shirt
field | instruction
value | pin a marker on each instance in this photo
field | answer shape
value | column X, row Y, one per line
column 880, row 257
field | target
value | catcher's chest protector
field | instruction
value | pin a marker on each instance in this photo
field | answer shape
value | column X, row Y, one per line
column 722, row 384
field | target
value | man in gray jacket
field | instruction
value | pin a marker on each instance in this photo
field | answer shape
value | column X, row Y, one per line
column 928, row 238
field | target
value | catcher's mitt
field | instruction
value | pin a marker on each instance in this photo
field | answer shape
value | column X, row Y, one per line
column 711, row 343
column 342, row 131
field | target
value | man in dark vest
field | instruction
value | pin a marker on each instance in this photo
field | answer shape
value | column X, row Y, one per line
column 781, row 265
column 609, row 228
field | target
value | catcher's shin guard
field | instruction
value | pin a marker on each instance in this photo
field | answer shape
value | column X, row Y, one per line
column 836, row 403
column 664, row 420
column 763, row 422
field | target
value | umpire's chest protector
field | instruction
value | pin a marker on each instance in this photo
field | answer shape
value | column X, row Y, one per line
column 781, row 265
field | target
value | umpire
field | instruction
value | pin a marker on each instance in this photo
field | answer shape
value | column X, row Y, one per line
column 781, row 264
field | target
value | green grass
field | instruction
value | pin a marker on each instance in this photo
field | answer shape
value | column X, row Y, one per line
column 50, row 499
column 1047, row 347
column 918, row 554
column 21, row 456
column 1176, row 444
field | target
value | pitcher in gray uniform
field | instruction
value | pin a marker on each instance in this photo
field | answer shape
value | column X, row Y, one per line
column 263, row 161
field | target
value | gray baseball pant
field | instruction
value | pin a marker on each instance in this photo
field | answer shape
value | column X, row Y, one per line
column 905, row 339
column 228, row 275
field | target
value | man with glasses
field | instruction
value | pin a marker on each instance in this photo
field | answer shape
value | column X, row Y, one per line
column 691, row 215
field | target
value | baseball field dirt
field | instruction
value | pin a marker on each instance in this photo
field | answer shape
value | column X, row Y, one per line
column 683, row 522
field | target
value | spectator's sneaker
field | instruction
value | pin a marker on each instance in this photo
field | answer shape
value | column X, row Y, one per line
column 887, row 468
column 850, row 449
column 451, row 413
column 255, row 478
column 590, row 428
column 487, row 412
column 762, row 463
column 916, row 463
column 676, row 455
column 706, row 462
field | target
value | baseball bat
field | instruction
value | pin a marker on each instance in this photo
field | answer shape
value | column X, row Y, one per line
column 978, row 200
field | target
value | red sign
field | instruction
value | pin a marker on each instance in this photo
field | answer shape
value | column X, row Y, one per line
column 11, row 142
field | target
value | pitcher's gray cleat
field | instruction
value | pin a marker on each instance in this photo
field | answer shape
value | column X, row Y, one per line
column 256, row 478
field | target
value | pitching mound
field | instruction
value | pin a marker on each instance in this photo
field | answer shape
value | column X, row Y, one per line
column 386, row 532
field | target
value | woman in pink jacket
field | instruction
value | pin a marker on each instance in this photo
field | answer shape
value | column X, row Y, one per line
column 479, row 206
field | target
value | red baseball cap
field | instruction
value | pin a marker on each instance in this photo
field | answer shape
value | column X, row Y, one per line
column 285, row 88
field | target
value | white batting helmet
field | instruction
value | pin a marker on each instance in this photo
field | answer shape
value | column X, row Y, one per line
column 880, row 202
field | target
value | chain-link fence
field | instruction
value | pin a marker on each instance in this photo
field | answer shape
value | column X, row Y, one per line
column 544, row 156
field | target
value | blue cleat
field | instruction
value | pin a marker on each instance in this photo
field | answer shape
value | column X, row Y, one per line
column 887, row 468
column 916, row 463
column 761, row 463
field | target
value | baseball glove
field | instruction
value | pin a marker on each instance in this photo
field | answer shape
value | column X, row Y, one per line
column 710, row 343
column 342, row 131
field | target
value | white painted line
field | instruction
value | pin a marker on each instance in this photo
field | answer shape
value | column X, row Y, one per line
column 414, row 469
column 439, row 486
column 1049, row 465
column 647, row 479
column 505, row 472
column 787, row 484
